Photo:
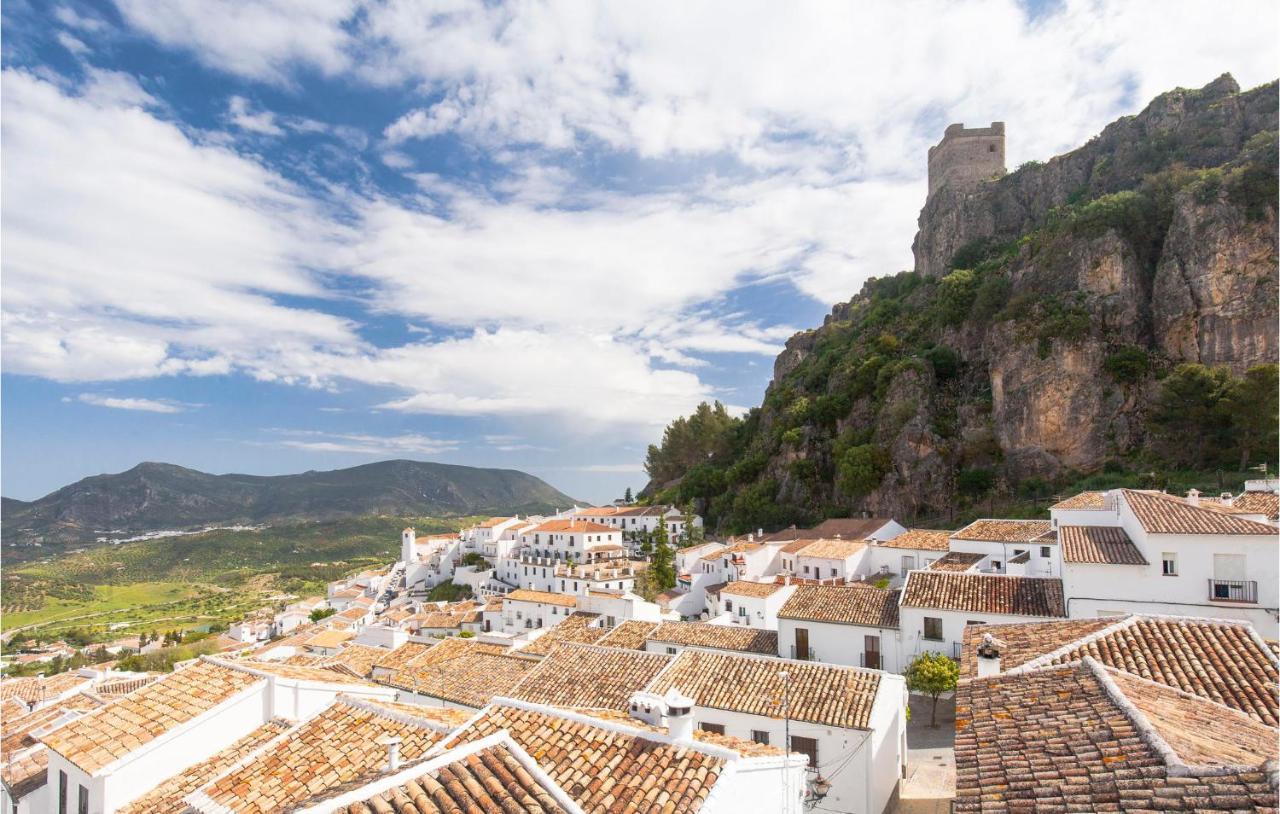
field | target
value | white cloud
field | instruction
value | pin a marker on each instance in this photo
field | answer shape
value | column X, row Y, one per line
column 72, row 44
column 262, row 122
column 362, row 444
column 145, row 405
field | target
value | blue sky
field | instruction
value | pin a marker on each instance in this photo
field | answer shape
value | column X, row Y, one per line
column 266, row 236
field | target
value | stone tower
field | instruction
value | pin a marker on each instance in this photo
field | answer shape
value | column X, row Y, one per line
column 966, row 156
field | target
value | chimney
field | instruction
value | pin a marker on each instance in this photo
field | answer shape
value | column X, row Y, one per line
column 679, row 716
column 1193, row 497
column 989, row 656
column 392, row 744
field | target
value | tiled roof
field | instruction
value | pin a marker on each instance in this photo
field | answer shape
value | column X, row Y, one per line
column 167, row 797
column 1071, row 738
column 111, row 732
column 753, row 589
column 462, row 671
column 25, row 760
column 629, row 635
column 33, row 689
column 920, row 539
column 721, row 637
column 119, row 687
column 493, row 521
column 984, row 593
column 358, row 658
column 818, row 693
column 1264, row 503
column 956, row 561
column 298, row 672
column 583, row 675
column 1215, row 659
column 849, row 605
column 1091, row 501
column 1004, row 531
column 799, row 544
column 402, row 656
column 1165, row 514
column 1106, row 545
column 745, row 748
column 1021, row 558
column 729, row 551
column 604, row 768
column 353, row 614
column 336, row 747
column 491, row 779
column 329, row 638
column 832, row 549
column 545, row 597
column 848, row 528
column 598, row 511
column 574, row 526
column 576, row 628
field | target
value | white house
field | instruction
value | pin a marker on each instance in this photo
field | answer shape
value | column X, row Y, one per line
column 1031, row 545
column 751, row 604
column 582, row 541
column 849, row 723
column 830, row 561
column 936, row 606
column 525, row 610
column 1148, row 552
column 854, row 625
column 913, row 549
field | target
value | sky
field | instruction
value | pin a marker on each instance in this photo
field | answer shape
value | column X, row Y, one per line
column 270, row 236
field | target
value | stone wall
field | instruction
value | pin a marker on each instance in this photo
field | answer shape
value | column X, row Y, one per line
column 966, row 156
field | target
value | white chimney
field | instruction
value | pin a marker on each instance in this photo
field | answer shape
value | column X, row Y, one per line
column 989, row 656
column 392, row 744
column 1193, row 497
column 679, row 716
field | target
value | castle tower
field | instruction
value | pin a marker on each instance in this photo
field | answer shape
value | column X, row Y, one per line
column 966, row 157
column 407, row 541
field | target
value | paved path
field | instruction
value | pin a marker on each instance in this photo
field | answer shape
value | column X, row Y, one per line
column 931, row 762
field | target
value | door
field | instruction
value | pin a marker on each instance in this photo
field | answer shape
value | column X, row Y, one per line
column 908, row 564
column 871, row 651
column 802, row 644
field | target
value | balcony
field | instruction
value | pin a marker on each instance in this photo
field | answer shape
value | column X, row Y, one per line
column 1233, row 590
column 804, row 655
column 871, row 660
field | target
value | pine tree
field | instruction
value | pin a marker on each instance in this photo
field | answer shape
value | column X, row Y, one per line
column 663, row 567
column 626, row 496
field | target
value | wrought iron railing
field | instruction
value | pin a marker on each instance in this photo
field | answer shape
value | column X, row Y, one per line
column 1233, row 590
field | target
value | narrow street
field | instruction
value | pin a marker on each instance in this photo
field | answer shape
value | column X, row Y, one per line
column 931, row 764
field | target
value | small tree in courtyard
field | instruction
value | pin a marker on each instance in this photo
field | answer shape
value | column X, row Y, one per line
column 663, row 568
column 932, row 674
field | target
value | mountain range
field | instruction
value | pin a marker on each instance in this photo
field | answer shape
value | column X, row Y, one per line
column 158, row 496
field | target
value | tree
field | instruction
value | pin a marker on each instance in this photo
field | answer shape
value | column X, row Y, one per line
column 693, row 535
column 663, row 568
column 861, row 469
column 1252, row 405
column 474, row 559
column 626, row 496
column 322, row 613
column 1188, row 417
column 932, row 674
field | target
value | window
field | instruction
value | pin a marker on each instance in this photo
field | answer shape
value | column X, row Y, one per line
column 671, row 651
column 933, row 628
column 1169, row 564
column 807, row 747
column 83, row 802
column 806, row 569
column 717, row 729
column 742, row 610
column 728, row 605
column 833, row 572
column 760, row 736
column 1044, row 552
column 62, row 793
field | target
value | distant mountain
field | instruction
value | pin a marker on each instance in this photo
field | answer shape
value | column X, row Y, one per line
column 158, row 496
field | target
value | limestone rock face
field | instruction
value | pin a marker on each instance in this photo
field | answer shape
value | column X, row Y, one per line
column 1214, row 297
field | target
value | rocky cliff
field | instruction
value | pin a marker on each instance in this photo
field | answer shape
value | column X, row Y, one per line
column 1045, row 308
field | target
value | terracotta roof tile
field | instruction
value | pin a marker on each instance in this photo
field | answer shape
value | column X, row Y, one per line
column 491, row 779
column 1004, row 531
column 167, row 797
column 920, row 539
column 544, row 597
column 336, row 747
column 819, row 693
column 753, row 589
column 299, row 672
column 402, row 656
column 729, row 551
column 577, row 627
column 329, row 638
column 574, row 526
column 581, row 675
column 1107, row 545
column 358, row 658
column 1090, row 501
column 604, row 768
column 111, row 732
column 720, row 637
column 849, row 605
column 25, row 759
column 832, row 549
column 462, row 671
column 33, row 689
column 1164, row 514
column 956, row 561
column 984, row 593
column 629, row 635
column 1264, row 503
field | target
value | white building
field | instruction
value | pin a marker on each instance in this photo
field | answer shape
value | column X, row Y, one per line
column 1030, row 545
column 582, row 541
column 937, row 605
column 1154, row 553
column 854, row 625
column 825, row 561
column 751, row 604
column 525, row 610
column 914, row 549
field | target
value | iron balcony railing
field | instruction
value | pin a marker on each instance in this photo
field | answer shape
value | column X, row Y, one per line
column 871, row 660
column 805, row 655
column 1233, row 590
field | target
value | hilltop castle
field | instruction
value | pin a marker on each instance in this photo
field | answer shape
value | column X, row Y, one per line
column 966, row 156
